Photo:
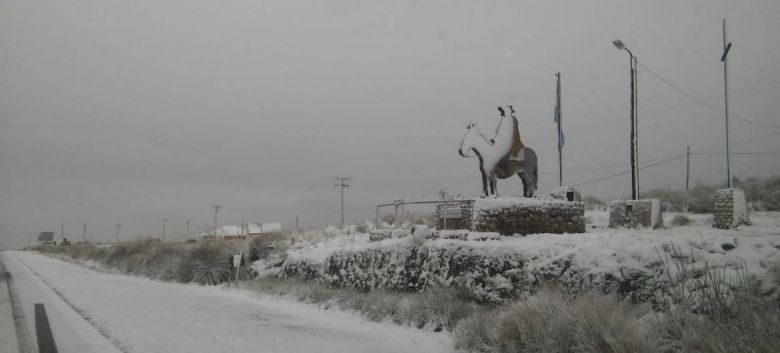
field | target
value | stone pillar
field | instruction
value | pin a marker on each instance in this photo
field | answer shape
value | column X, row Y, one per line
column 730, row 209
column 635, row 213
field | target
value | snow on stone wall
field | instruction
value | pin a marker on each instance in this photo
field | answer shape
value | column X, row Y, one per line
column 622, row 261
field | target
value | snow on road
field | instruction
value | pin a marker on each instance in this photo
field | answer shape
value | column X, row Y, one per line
column 71, row 332
column 140, row 315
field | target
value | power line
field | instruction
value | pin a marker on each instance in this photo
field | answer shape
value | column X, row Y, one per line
column 703, row 102
column 675, row 157
column 624, row 173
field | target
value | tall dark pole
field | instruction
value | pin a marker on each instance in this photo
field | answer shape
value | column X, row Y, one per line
column 216, row 210
column 558, row 116
column 687, row 177
column 163, row 229
column 342, row 183
column 687, row 168
column 188, row 230
column 634, row 146
column 84, row 235
column 117, row 232
column 634, row 131
column 724, row 59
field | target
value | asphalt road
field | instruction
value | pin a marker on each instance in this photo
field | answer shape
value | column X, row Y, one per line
column 53, row 327
column 91, row 311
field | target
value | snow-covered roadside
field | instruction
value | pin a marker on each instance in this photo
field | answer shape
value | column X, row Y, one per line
column 623, row 260
column 151, row 316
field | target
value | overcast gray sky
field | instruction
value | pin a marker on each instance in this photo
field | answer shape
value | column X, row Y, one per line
column 133, row 111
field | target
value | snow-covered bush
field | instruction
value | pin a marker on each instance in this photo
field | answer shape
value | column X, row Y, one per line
column 206, row 264
column 435, row 309
column 550, row 321
column 409, row 266
column 262, row 246
column 680, row 220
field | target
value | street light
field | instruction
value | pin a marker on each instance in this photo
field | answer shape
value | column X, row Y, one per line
column 634, row 147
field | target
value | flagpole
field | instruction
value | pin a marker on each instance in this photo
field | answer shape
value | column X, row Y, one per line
column 558, row 115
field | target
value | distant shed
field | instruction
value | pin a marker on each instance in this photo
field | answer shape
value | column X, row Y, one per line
column 253, row 229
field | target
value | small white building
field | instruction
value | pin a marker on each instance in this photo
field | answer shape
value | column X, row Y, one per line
column 252, row 229
column 227, row 233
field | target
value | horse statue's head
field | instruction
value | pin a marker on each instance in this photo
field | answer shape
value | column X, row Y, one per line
column 467, row 142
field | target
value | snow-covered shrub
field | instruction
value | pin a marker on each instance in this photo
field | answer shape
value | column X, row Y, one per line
column 262, row 246
column 407, row 266
column 751, row 328
column 479, row 333
column 206, row 264
column 680, row 220
column 156, row 260
column 435, row 309
column 701, row 199
column 550, row 321
column 603, row 323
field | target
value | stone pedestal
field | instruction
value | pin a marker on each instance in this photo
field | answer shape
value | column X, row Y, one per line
column 730, row 209
column 635, row 213
column 515, row 215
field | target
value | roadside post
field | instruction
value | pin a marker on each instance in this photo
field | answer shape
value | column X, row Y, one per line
column 237, row 261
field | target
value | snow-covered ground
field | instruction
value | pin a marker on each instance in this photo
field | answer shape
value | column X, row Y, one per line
column 140, row 315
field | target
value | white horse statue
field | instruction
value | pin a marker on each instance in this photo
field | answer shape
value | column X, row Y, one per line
column 502, row 156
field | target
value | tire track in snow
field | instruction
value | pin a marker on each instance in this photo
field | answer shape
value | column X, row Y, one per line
column 103, row 332
column 23, row 339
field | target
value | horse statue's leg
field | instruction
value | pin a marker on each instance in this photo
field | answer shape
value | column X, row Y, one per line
column 532, row 164
column 484, row 182
column 493, row 181
column 526, row 182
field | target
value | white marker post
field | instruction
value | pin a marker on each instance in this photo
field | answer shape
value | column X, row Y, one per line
column 237, row 264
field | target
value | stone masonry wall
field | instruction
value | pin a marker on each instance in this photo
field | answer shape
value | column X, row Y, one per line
column 528, row 216
column 730, row 209
column 633, row 213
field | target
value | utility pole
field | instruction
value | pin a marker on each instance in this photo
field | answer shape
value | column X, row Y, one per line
column 296, row 224
column 62, row 230
column 117, row 232
column 687, row 177
column 724, row 59
column 635, row 130
column 216, row 210
column 634, row 117
column 84, row 235
column 444, row 210
column 163, row 228
column 687, row 167
column 558, row 116
column 188, row 230
column 342, row 183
